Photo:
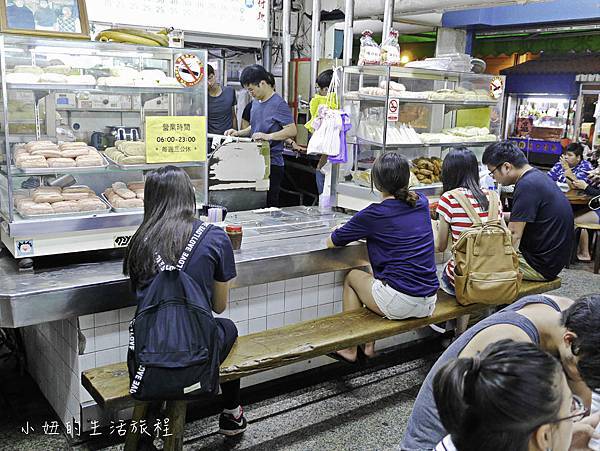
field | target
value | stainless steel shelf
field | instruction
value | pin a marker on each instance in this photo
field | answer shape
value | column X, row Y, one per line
column 457, row 103
column 360, row 140
column 95, row 89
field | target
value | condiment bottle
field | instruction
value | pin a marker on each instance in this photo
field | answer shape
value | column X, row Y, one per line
column 234, row 232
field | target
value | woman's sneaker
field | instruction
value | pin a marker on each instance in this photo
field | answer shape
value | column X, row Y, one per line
column 230, row 425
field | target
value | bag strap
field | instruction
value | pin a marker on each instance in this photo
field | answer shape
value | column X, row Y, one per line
column 197, row 236
column 466, row 205
column 493, row 210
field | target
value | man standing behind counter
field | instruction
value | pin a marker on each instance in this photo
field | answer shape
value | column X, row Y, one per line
column 270, row 120
column 541, row 220
column 221, row 105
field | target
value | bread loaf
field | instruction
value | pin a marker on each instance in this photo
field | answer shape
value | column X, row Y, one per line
column 132, row 160
column 77, row 196
column 70, row 145
column 132, row 148
column 37, row 209
column 61, row 162
column 91, row 204
column 47, row 197
column 135, row 186
column 33, row 161
column 65, row 207
column 48, row 153
column 89, row 160
column 129, row 203
column 47, row 189
column 74, row 152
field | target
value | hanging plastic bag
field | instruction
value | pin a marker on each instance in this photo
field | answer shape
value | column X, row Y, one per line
column 370, row 53
column 390, row 50
column 328, row 123
column 342, row 156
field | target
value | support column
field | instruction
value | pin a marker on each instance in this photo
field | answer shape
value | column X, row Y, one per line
column 450, row 40
column 315, row 45
column 267, row 51
column 388, row 18
column 348, row 32
column 287, row 49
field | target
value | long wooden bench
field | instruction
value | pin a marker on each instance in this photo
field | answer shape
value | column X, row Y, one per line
column 109, row 385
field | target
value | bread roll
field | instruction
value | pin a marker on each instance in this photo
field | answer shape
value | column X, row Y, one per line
column 48, row 153
column 37, row 209
column 129, row 203
column 36, row 161
column 69, row 145
column 74, row 152
column 65, row 207
column 47, row 189
column 61, row 162
column 50, row 198
column 132, row 160
column 139, row 194
column 91, row 204
column 77, row 196
column 132, row 148
column 89, row 160
column 24, row 203
column 119, row 185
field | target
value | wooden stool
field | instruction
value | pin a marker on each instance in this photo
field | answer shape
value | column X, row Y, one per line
column 175, row 412
column 596, row 253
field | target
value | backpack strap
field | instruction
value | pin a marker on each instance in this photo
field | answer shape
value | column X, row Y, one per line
column 197, row 236
column 466, row 205
column 493, row 211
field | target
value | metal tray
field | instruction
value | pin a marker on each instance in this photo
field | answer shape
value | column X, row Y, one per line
column 121, row 210
column 67, row 215
column 150, row 166
column 52, row 171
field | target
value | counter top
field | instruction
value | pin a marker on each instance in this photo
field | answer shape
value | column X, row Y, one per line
column 275, row 251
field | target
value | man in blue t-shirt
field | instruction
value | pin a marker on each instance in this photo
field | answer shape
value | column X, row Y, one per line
column 270, row 120
column 221, row 105
column 541, row 220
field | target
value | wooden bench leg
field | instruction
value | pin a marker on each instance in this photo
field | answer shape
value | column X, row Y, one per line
column 176, row 411
column 139, row 413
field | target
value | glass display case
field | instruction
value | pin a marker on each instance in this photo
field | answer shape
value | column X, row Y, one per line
column 537, row 123
column 418, row 113
column 75, row 151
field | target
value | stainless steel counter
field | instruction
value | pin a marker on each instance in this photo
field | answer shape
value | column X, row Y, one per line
column 276, row 246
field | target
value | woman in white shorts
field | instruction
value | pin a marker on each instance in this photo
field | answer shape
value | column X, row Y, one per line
column 401, row 251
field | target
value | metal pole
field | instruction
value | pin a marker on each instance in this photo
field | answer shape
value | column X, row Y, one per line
column 315, row 45
column 287, row 49
column 348, row 32
column 267, row 55
column 388, row 18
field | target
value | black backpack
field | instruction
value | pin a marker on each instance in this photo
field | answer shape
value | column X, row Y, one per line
column 173, row 338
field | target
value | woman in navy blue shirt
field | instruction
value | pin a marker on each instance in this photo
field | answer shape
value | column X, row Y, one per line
column 401, row 251
column 270, row 120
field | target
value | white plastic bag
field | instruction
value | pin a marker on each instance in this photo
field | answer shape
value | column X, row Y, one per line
column 326, row 139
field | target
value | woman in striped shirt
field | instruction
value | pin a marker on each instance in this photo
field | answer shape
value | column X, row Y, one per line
column 459, row 170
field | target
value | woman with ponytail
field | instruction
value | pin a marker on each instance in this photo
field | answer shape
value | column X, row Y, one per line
column 401, row 251
column 511, row 396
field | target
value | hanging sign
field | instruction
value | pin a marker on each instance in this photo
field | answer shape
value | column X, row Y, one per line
column 496, row 87
column 175, row 139
column 189, row 70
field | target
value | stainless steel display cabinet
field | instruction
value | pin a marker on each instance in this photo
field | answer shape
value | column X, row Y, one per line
column 416, row 112
column 62, row 91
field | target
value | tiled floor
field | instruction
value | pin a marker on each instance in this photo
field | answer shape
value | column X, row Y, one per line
column 338, row 407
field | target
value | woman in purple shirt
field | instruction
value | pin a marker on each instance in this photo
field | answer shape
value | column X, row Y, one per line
column 401, row 251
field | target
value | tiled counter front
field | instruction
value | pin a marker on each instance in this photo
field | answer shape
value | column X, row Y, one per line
column 57, row 353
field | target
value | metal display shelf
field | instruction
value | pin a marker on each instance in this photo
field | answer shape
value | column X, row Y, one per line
column 95, row 89
column 422, row 145
column 454, row 103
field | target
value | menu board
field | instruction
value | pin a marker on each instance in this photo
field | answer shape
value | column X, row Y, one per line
column 239, row 18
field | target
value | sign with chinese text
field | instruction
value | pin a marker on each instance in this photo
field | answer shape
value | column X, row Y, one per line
column 175, row 139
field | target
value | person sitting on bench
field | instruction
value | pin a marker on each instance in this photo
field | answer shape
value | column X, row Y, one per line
column 568, row 330
column 169, row 222
column 511, row 396
column 399, row 238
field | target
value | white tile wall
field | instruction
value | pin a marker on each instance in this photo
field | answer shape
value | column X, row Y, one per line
column 89, row 340
column 292, row 317
column 242, row 327
column 293, row 284
column 126, row 314
column 309, row 313
column 276, row 287
column 326, row 278
column 275, row 303
column 123, row 334
column 257, row 307
column 325, row 310
column 107, row 337
column 257, row 325
column 258, row 290
column 238, row 310
column 274, row 321
column 325, row 294
column 107, row 357
column 310, row 296
column 237, row 294
column 106, row 318
column 310, row 281
column 338, row 293
column 293, row 300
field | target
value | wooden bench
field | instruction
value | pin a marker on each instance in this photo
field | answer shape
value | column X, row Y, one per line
column 109, row 385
